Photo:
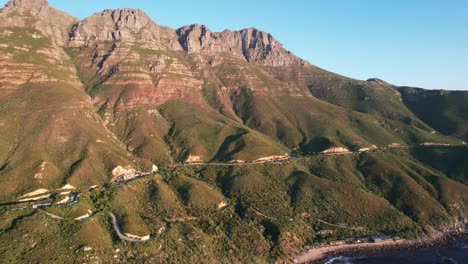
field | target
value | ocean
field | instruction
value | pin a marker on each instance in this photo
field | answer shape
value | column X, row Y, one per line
column 456, row 253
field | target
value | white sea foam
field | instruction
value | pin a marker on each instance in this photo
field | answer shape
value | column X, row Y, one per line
column 340, row 260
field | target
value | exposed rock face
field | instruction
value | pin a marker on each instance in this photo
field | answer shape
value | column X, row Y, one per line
column 130, row 25
column 37, row 14
column 119, row 170
column 335, row 150
column 272, row 158
column 255, row 46
column 35, row 6
column 193, row 159
column 134, row 25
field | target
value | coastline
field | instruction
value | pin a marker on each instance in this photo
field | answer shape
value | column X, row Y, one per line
column 317, row 255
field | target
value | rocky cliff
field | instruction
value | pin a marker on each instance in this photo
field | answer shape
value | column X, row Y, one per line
column 39, row 15
column 128, row 25
column 251, row 44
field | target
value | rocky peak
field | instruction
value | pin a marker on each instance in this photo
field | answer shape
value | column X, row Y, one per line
column 191, row 37
column 129, row 25
column 130, row 19
column 260, row 47
column 250, row 44
column 51, row 22
column 109, row 25
column 30, row 5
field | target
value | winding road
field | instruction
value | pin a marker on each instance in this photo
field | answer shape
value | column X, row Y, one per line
column 121, row 235
column 290, row 158
column 277, row 161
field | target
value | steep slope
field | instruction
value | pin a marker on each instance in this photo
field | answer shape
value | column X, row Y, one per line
column 373, row 96
column 180, row 95
column 79, row 98
column 144, row 85
column 290, row 114
column 50, row 131
column 285, row 110
column 451, row 161
column 445, row 111
column 145, row 78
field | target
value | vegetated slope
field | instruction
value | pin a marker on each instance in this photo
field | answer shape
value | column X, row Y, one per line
column 151, row 93
column 453, row 162
column 373, row 96
column 195, row 95
column 165, row 96
column 445, row 111
column 291, row 115
column 255, row 212
column 51, row 133
column 169, row 97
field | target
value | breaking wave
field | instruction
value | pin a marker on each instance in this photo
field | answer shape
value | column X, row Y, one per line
column 340, row 260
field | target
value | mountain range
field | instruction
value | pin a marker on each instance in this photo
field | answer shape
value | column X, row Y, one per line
column 84, row 101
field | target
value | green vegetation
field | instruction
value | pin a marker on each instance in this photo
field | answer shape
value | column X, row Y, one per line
column 71, row 113
column 272, row 209
column 213, row 136
column 448, row 111
column 451, row 161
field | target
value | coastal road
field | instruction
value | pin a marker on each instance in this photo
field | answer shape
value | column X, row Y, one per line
column 279, row 161
column 290, row 158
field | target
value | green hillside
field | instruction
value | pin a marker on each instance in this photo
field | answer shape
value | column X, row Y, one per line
column 259, row 154
column 271, row 210
column 445, row 111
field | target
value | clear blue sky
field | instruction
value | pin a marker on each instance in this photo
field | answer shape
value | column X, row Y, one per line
column 406, row 42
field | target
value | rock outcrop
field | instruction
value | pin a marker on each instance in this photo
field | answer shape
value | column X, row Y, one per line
column 129, row 25
column 34, row 6
column 37, row 14
column 251, row 44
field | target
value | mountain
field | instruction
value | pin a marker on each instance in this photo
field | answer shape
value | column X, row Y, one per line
column 138, row 72
column 85, row 103
column 51, row 133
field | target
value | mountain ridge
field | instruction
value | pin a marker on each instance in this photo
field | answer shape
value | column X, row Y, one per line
column 258, row 150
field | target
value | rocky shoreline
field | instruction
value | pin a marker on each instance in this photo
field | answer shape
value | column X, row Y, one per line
column 438, row 240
